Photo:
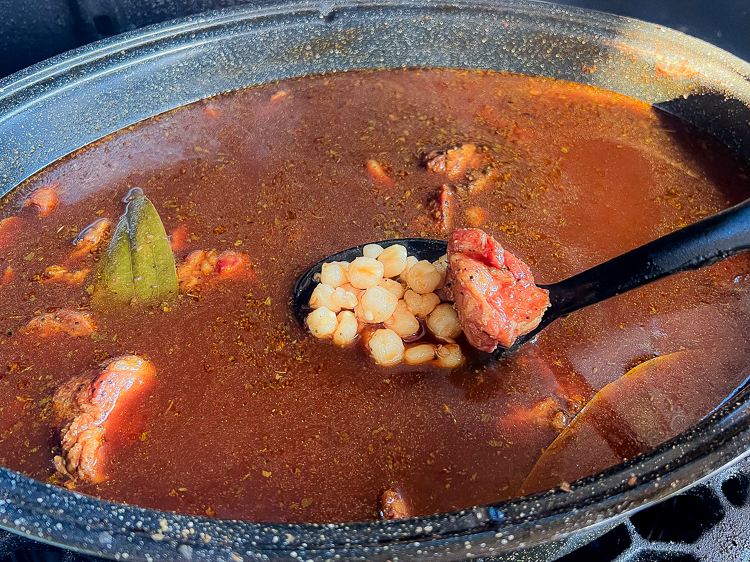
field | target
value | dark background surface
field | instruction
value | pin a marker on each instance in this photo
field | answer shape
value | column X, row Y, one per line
column 34, row 30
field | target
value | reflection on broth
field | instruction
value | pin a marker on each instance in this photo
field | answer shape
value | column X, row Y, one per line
column 248, row 415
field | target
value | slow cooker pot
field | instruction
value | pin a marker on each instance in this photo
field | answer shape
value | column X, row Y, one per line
column 56, row 107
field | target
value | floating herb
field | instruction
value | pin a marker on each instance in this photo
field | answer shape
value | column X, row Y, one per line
column 138, row 265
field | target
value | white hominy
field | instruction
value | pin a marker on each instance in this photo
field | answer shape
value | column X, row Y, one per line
column 449, row 356
column 419, row 354
column 346, row 330
column 321, row 297
column 443, row 323
column 365, row 272
column 410, row 261
column 373, row 251
column 403, row 322
column 343, row 298
column 321, row 322
column 423, row 277
column 392, row 287
column 393, row 259
column 421, row 305
column 376, row 305
column 334, row 273
column 386, row 347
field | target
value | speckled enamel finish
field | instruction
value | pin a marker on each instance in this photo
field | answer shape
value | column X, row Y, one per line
column 56, row 107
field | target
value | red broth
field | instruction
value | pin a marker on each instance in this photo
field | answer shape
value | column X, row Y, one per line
column 250, row 417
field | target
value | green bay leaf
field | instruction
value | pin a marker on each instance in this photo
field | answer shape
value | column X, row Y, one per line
column 138, row 266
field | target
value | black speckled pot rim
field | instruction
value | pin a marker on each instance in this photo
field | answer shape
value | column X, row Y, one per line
column 54, row 108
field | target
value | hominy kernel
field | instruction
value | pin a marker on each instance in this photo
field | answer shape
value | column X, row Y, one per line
column 349, row 288
column 365, row 272
column 423, row 277
column 344, row 299
column 386, row 347
column 392, row 286
column 419, row 354
column 443, row 323
column 365, row 332
column 321, row 296
column 449, row 356
column 393, row 259
column 346, row 329
column 321, row 322
column 403, row 322
column 410, row 261
column 421, row 305
column 372, row 251
column 334, row 273
column 441, row 265
column 376, row 305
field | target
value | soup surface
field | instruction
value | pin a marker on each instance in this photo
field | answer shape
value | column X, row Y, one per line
column 251, row 417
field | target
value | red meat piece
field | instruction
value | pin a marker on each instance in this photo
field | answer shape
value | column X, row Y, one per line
column 393, row 505
column 202, row 267
column 232, row 264
column 494, row 292
column 72, row 322
column 44, row 198
column 443, row 211
column 455, row 163
column 89, row 239
column 179, row 238
column 82, row 409
column 378, row 174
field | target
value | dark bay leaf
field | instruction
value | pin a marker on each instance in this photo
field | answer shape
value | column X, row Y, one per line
column 651, row 403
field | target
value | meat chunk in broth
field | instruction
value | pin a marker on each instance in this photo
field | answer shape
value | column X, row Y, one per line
column 82, row 409
column 494, row 292
column 393, row 505
column 71, row 322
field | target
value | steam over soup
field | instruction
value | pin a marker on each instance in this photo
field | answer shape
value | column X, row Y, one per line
column 149, row 350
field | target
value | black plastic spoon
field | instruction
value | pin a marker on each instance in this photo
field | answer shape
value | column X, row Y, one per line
column 703, row 243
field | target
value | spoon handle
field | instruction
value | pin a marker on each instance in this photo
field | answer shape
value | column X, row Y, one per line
column 701, row 244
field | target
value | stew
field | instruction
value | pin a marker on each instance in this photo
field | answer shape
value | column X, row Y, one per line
column 241, row 412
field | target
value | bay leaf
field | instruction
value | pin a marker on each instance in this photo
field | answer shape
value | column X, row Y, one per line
column 138, row 266
column 651, row 403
